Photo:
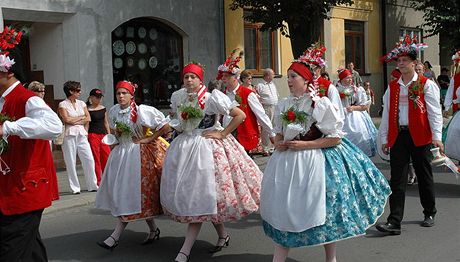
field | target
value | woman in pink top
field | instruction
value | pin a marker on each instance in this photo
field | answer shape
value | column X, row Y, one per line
column 75, row 115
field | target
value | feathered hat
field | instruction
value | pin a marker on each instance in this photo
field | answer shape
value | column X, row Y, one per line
column 309, row 60
column 9, row 38
column 406, row 47
column 231, row 65
column 456, row 57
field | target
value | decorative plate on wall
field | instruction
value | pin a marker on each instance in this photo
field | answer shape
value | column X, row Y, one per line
column 141, row 32
column 118, row 47
column 153, row 49
column 130, row 31
column 142, row 64
column 153, row 34
column 142, row 48
column 130, row 47
column 118, row 63
column 130, row 62
column 118, row 32
column 153, row 62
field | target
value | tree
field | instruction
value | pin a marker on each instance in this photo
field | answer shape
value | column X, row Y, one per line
column 301, row 20
column 441, row 18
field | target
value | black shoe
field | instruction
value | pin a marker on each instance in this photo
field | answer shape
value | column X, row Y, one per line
column 104, row 245
column 428, row 221
column 153, row 235
column 219, row 248
column 390, row 228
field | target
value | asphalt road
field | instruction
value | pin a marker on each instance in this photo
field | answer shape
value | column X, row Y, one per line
column 71, row 235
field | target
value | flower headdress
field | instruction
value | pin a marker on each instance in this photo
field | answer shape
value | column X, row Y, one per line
column 408, row 46
column 230, row 65
column 313, row 56
column 9, row 38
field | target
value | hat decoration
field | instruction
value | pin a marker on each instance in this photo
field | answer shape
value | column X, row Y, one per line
column 9, row 38
column 407, row 46
column 313, row 56
column 230, row 65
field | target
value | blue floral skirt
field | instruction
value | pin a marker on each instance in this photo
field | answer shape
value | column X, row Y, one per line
column 356, row 194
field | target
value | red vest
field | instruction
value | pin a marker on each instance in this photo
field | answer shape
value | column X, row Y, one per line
column 248, row 131
column 419, row 126
column 32, row 182
column 456, row 86
column 323, row 86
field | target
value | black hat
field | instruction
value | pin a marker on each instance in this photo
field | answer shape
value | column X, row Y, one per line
column 96, row 92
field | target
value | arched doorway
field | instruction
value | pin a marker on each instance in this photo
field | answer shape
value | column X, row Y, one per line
column 148, row 53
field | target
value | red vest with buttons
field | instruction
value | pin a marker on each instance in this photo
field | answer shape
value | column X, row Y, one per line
column 31, row 184
column 456, row 86
column 419, row 125
column 248, row 131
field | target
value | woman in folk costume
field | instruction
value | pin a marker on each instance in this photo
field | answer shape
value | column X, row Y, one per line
column 452, row 132
column 207, row 175
column 358, row 126
column 318, row 188
column 131, row 179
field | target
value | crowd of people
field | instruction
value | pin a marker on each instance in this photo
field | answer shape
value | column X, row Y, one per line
column 319, row 186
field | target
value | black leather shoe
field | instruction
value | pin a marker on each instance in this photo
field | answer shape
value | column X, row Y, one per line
column 218, row 248
column 104, row 245
column 428, row 221
column 390, row 228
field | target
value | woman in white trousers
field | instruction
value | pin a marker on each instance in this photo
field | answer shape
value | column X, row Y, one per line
column 75, row 115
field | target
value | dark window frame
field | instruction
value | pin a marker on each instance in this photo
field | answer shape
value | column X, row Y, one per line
column 354, row 35
column 259, row 69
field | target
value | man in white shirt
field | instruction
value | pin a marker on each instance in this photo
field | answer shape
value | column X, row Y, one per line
column 268, row 96
column 411, row 126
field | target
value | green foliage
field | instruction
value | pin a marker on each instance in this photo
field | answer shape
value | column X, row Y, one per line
column 188, row 112
column 441, row 18
column 303, row 17
column 3, row 142
column 124, row 129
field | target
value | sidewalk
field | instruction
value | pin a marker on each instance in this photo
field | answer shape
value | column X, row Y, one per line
column 68, row 200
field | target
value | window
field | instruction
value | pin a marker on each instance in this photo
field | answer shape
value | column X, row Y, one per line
column 354, row 44
column 259, row 50
column 148, row 53
column 412, row 32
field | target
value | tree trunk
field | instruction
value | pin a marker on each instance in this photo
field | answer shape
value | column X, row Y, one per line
column 304, row 35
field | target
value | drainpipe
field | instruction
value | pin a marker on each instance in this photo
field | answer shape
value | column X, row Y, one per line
column 383, row 10
column 222, row 30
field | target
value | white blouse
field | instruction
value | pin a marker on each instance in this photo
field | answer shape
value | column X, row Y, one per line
column 77, row 111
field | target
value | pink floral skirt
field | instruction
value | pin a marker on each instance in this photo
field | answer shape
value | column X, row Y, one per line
column 238, row 181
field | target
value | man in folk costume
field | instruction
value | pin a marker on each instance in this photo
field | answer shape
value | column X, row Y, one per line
column 411, row 126
column 28, row 180
column 453, row 91
column 248, row 132
column 313, row 57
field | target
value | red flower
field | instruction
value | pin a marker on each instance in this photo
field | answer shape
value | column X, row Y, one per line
column 342, row 95
column 184, row 115
column 290, row 116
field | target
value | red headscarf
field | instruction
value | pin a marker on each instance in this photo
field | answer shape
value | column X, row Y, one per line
column 344, row 73
column 193, row 68
column 131, row 89
column 302, row 70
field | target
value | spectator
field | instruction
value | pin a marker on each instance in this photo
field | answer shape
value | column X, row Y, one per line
column 443, row 80
column 75, row 115
column 269, row 99
column 419, row 68
column 98, row 128
column 369, row 93
column 246, row 79
column 38, row 88
column 357, row 80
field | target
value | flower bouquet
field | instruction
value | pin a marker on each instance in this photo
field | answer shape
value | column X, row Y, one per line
column 3, row 141
column 123, row 129
column 190, row 117
column 294, row 122
column 345, row 93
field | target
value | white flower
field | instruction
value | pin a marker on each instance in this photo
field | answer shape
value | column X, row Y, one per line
column 5, row 63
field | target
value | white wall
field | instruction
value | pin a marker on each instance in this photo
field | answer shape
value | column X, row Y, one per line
column 47, row 55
